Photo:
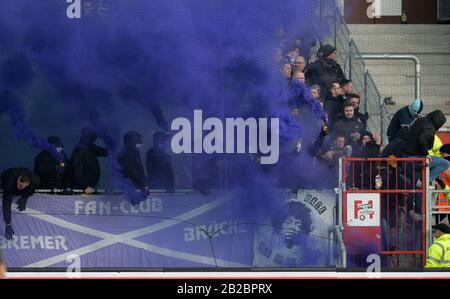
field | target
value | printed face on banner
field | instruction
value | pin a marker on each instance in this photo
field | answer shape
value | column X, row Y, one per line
column 363, row 209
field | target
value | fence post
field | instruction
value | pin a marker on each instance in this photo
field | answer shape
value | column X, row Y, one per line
column 428, row 216
column 382, row 120
column 350, row 42
column 335, row 27
column 366, row 72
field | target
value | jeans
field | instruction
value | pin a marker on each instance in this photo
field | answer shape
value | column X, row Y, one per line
column 437, row 165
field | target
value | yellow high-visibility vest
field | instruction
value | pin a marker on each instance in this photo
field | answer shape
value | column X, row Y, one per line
column 437, row 143
column 439, row 253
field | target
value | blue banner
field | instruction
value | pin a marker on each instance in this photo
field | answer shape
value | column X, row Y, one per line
column 166, row 231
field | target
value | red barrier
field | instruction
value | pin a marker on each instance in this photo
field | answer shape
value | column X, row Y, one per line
column 384, row 210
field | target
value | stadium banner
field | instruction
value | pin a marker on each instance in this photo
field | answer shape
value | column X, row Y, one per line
column 182, row 230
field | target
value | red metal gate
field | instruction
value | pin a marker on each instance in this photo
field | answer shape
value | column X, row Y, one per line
column 383, row 203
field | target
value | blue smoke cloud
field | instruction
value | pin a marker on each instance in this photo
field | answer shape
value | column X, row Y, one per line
column 146, row 62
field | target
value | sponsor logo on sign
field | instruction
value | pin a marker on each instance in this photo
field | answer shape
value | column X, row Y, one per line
column 363, row 209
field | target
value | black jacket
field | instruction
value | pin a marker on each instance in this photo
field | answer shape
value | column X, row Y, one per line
column 397, row 146
column 323, row 72
column 362, row 117
column 129, row 158
column 334, row 107
column 53, row 173
column 9, row 179
column 86, row 168
column 400, row 119
column 422, row 132
column 159, row 169
column 347, row 126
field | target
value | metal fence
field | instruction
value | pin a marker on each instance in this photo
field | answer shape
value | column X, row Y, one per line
column 384, row 211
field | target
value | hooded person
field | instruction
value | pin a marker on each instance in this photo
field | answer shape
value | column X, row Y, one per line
column 326, row 69
column 421, row 139
column 404, row 117
column 16, row 182
column 54, row 173
column 84, row 160
column 368, row 148
column 159, row 164
column 363, row 172
column 129, row 158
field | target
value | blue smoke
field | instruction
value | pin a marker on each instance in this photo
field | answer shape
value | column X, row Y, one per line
column 143, row 63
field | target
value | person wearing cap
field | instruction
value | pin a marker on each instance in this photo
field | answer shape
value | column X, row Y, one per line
column 52, row 171
column 439, row 252
column 404, row 117
column 326, row 69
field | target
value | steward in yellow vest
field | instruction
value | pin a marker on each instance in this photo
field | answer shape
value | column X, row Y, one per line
column 439, row 252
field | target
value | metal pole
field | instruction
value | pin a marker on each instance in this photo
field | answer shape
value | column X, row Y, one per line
column 381, row 119
column 342, row 250
column 418, row 71
column 365, row 91
column 428, row 220
column 335, row 28
column 350, row 41
column 339, row 190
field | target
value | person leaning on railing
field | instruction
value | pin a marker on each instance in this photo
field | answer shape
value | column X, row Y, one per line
column 439, row 251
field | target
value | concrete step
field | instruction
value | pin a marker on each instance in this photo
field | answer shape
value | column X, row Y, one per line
column 400, row 38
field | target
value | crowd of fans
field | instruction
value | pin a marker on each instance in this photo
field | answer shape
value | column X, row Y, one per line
column 345, row 134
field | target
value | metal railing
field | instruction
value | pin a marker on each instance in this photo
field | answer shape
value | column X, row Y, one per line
column 403, row 208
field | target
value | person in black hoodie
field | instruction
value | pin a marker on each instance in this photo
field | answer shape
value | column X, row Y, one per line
column 421, row 139
column 364, row 174
column 53, row 173
column 16, row 182
column 159, row 164
column 129, row 158
column 84, row 160
column 404, row 117
column 326, row 69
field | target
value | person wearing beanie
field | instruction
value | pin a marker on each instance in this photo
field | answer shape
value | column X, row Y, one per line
column 439, row 252
column 53, row 172
column 404, row 117
column 325, row 69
